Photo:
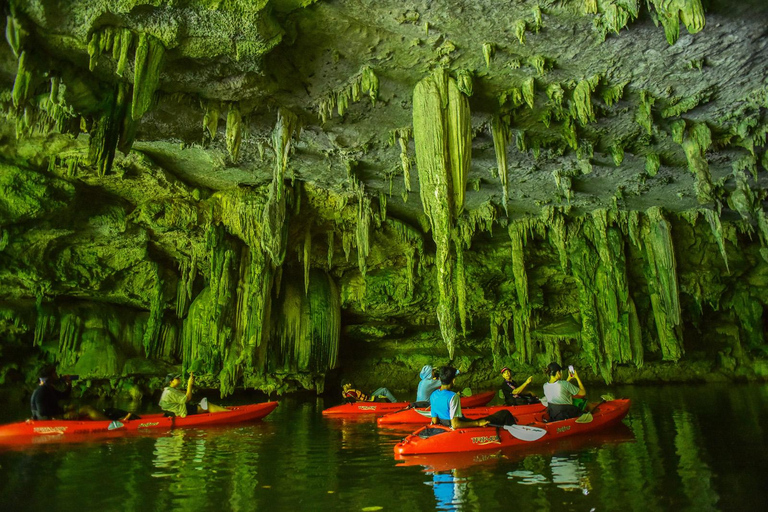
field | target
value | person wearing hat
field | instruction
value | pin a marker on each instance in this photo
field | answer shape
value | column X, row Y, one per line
column 178, row 402
column 446, row 406
column 428, row 384
column 45, row 399
column 514, row 394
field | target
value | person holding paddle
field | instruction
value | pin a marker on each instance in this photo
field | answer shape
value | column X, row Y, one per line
column 446, row 406
column 45, row 399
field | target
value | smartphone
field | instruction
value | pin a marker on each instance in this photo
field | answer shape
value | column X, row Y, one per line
column 570, row 369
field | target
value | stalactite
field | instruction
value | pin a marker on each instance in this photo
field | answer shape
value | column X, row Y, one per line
column 234, row 131
column 614, row 93
column 307, row 257
column 330, row 250
column 488, row 51
column 713, row 219
column 152, row 329
column 528, row 91
column 557, row 234
column 461, row 286
column 643, row 115
column 146, row 74
column 187, row 275
column 403, row 135
column 362, row 229
column 45, row 323
column 23, row 81
column 581, row 107
column 500, row 132
column 518, row 234
column 652, row 163
column 211, row 120
column 69, row 337
column 273, row 218
column 519, row 27
column 459, row 144
column 662, row 282
column 308, row 326
column 15, row 34
column 695, row 144
column 431, row 130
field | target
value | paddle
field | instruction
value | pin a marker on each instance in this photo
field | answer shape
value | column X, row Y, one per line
column 523, row 432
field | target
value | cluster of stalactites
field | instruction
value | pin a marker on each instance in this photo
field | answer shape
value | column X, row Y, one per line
column 148, row 59
column 365, row 82
column 442, row 136
column 614, row 15
column 594, row 250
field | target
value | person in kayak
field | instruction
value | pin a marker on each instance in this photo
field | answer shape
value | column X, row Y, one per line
column 514, row 394
column 446, row 406
column 351, row 395
column 561, row 394
column 45, row 400
column 428, row 384
column 177, row 401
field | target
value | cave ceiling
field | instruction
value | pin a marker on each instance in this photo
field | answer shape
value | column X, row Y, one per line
column 623, row 150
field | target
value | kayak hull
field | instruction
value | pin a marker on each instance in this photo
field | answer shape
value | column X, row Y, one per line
column 36, row 428
column 380, row 408
column 490, row 438
column 416, row 416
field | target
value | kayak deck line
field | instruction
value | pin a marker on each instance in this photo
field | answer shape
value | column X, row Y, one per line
column 380, row 408
column 14, row 432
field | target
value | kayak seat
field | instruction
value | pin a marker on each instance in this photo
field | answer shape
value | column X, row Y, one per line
column 430, row 432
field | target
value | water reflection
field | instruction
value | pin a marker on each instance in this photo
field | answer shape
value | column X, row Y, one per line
column 676, row 451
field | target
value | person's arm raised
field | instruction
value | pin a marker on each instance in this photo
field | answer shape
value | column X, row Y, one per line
column 522, row 387
column 190, row 384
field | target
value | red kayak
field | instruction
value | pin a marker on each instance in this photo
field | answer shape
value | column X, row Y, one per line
column 530, row 429
column 379, row 408
column 421, row 416
column 14, row 432
column 611, row 435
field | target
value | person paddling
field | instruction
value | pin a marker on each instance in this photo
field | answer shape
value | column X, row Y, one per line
column 45, row 399
column 177, row 401
column 446, row 406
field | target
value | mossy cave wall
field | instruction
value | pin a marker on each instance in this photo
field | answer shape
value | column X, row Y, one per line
column 272, row 193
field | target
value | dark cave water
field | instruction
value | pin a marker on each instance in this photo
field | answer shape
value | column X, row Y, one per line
column 691, row 447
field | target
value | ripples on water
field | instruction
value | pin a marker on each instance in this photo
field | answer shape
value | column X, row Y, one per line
column 680, row 448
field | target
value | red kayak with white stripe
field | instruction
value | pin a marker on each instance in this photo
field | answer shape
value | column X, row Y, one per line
column 379, row 408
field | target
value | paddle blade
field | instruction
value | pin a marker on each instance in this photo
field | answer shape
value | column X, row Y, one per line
column 525, row 433
column 115, row 424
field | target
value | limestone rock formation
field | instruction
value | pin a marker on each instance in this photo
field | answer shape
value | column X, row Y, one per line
column 268, row 192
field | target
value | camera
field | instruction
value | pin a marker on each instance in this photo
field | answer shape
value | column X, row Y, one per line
column 570, row 369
